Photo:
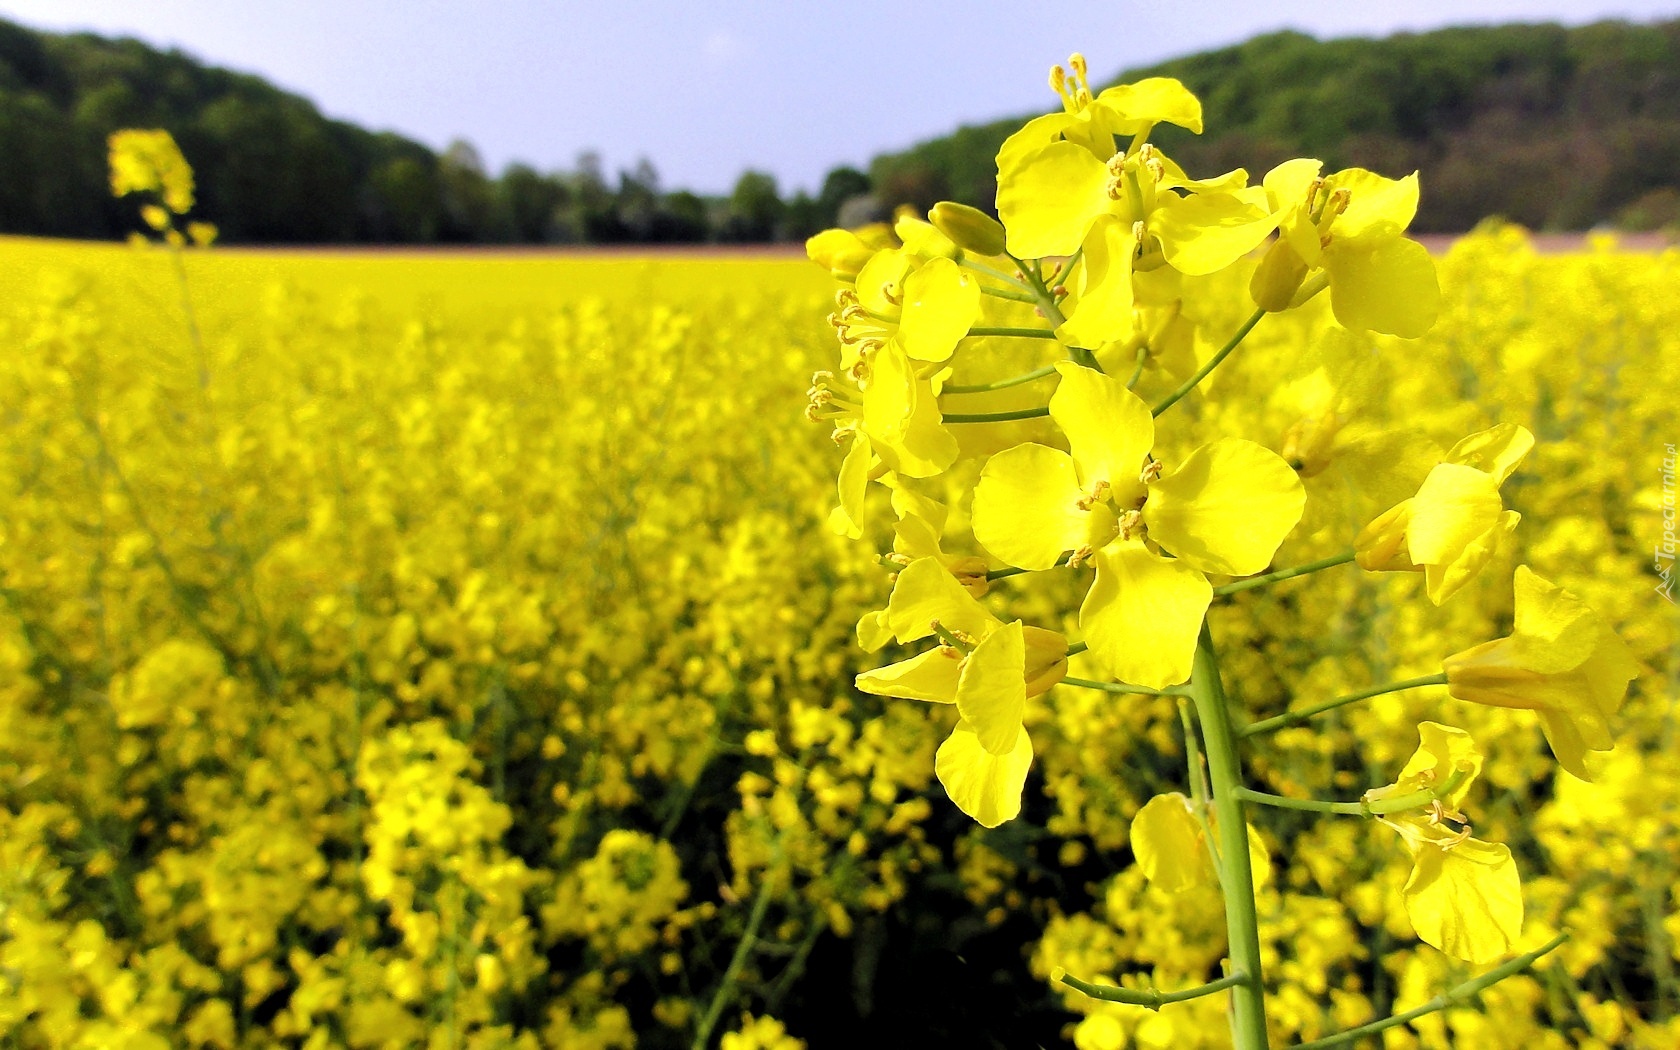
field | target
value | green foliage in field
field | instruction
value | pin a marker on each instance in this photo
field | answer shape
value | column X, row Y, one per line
column 1492, row 114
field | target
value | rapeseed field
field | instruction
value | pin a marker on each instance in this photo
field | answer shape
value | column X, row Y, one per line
column 461, row 651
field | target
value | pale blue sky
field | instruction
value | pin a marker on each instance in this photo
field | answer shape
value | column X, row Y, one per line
column 707, row 89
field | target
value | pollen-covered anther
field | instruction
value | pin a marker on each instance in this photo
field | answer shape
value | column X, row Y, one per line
column 1151, row 472
column 891, row 294
column 1098, row 493
column 821, row 378
column 1081, row 555
column 1130, row 524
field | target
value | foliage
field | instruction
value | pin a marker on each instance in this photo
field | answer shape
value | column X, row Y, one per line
column 1491, row 113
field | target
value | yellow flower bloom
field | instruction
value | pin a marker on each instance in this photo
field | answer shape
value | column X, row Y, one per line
column 988, row 674
column 1463, row 895
column 895, row 412
column 1350, row 225
column 1224, row 510
column 150, row 162
column 1561, row 661
column 1456, row 522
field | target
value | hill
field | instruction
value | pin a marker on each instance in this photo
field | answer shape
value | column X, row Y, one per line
column 1553, row 127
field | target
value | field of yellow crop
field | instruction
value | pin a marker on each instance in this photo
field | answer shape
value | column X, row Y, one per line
column 453, row 651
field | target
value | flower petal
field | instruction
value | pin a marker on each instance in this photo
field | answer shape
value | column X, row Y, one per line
column 1386, row 286
column 1466, row 900
column 1109, row 429
column 985, row 786
column 1498, row 450
column 1226, row 508
column 1206, row 232
column 926, row 591
column 1026, row 509
column 992, row 691
column 930, row 676
column 1050, row 198
column 1143, row 613
column 1377, row 206
column 941, row 302
column 1168, row 844
column 1100, row 309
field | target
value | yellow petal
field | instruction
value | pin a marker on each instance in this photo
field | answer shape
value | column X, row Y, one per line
column 872, row 631
column 1557, row 631
column 1206, row 232
column 1498, row 450
column 1109, row 428
column 1377, row 206
column 925, row 592
column 931, row 676
column 941, row 302
column 1026, row 510
column 880, row 284
column 1226, row 508
column 1143, row 613
column 1286, row 185
column 1443, row 579
column 838, row 251
column 1381, row 545
column 1050, row 199
column 1140, row 106
column 1100, row 308
column 847, row 518
column 1453, row 507
column 985, row 786
column 1442, row 751
column 1168, row 844
column 1034, row 135
column 1466, row 900
column 992, row 692
column 1388, row 286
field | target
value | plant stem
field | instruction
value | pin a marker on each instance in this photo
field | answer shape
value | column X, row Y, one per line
column 1295, row 718
column 1121, row 687
column 1000, row 384
column 720, row 999
column 1009, row 293
column 996, row 417
column 1362, row 808
column 1286, row 574
column 1041, row 295
column 1242, row 923
column 1018, row 333
column 1456, row 996
column 1151, row 999
column 999, row 574
column 1213, row 362
column 1137, row 369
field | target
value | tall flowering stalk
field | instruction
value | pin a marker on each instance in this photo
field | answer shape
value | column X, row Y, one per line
column 1063, row 467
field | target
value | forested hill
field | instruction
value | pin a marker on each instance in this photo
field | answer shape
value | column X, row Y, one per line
column 1551, row 127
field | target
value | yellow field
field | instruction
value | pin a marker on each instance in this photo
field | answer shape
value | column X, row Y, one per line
column 453, row 652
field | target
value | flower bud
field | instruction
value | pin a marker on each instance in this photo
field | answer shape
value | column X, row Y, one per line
column 1277, row 278
column 970, row 229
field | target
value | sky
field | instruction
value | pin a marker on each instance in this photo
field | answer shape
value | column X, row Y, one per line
column 706, row 90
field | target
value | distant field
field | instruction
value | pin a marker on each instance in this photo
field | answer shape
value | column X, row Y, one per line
column 449, row 648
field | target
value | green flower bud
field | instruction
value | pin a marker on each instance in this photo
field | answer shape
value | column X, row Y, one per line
column 969, row 228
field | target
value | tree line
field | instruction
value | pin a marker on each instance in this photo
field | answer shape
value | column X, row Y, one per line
column 1552, row 127
column 271, row 168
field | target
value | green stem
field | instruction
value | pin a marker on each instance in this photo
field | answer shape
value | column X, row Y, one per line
column 1286, row 574
column 1457, row 996
column 1122, row 687
column 1009, row 293
column 1242, row 922
column 1363, row 808
column 1137, row 369
column 1008, row 278
column 999, row 574
column 1018, row 333
column 1041, row 295
column 1213, row 362
column 720, row 999
column 1151, row 999
column 1077, row 647
column 1001, row 384
column 1295, row 718
column 996, row 417
column 1200, row 793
